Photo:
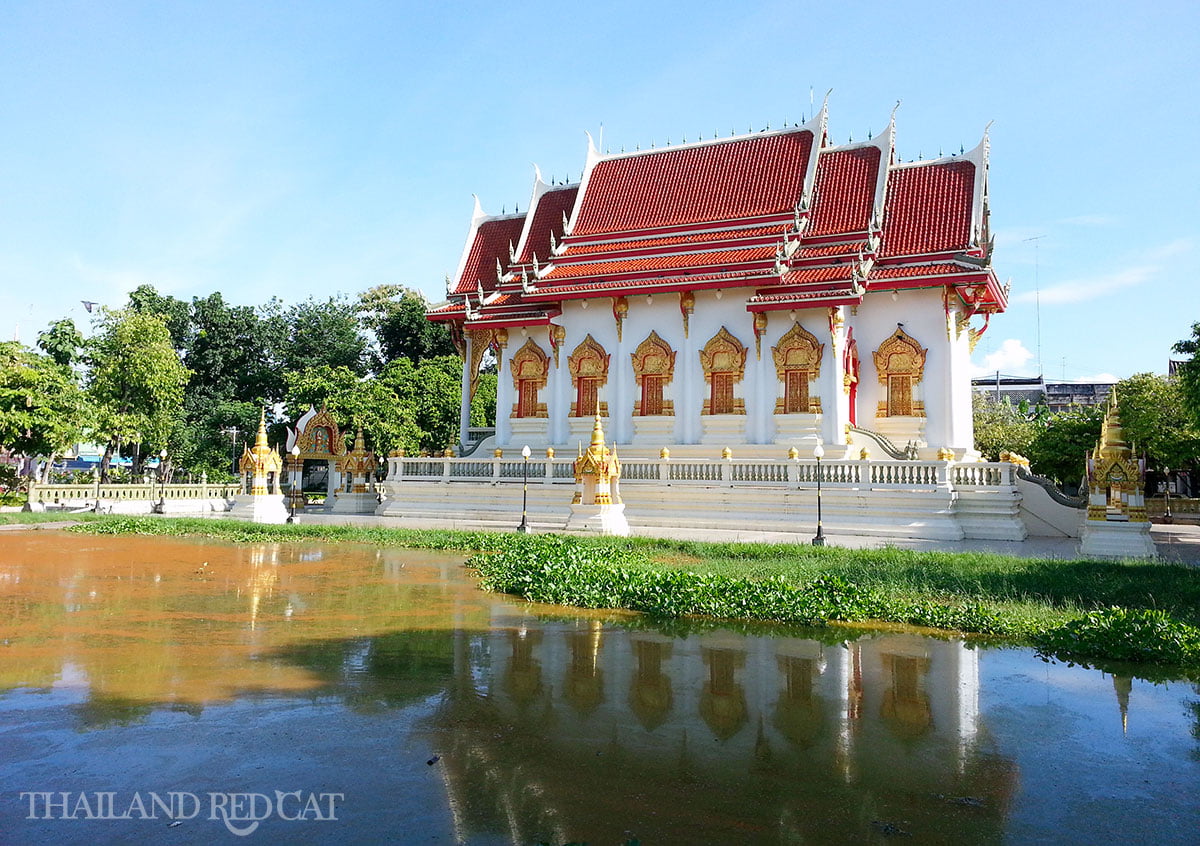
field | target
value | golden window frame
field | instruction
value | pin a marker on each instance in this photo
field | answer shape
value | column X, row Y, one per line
column 900, row 356
column 530, row 363
column 653, row 357
column 589, row 360
column 798, row 349
column 724, row 353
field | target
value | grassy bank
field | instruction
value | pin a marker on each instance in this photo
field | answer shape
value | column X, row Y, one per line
column 1083, row 610
column 29, row 517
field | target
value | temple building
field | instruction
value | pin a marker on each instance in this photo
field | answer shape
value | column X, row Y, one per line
column 770, row 326
column 765, row 289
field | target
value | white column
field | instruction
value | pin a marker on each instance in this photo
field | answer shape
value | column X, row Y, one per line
column 558, row 405
column 504, row 399
column 464, row 414
column 620, row 407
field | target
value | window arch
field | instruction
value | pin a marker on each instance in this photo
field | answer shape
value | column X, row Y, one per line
column 724, row 362
column 900, row 364
column 798, row 363
column 530, row 367
column 588, row 366
column 653, row 367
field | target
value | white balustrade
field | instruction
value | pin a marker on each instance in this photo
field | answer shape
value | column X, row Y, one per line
column 899, row 475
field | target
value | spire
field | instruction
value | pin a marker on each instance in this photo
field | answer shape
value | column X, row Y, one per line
column 1123, row 686
column 598, row 433
column 260, row 440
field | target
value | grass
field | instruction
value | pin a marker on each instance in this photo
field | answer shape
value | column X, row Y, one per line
column 1083, row 609
column 9, row 517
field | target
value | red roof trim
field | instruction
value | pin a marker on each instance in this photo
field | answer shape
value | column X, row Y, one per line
column 658, row 263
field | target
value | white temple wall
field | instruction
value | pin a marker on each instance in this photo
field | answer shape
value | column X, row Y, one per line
column 944, row 388
column 924, row 319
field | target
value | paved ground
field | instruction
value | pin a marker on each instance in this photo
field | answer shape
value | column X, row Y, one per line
column 1177, row 542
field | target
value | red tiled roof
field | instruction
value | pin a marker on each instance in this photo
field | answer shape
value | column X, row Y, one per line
column 928, row 208
column 844, row 249
column 504, row 299
column 529, row 317
column 650, row 264
column 814, row 275
column 547, row 218
column 907, row 271
column 844, row 194
column 719, row 181
column 673, row 240
column 447, row 308
column 491, row 242
column 669, row 283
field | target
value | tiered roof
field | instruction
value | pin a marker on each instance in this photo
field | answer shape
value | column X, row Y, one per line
column 805, row 223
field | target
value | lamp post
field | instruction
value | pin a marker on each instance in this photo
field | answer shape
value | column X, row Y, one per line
column 162, row 481
column 292, row 488
column 818, row 453
column 524, row 527
column 1167, row 518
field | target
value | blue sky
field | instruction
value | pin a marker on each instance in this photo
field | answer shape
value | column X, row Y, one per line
column 296, row 149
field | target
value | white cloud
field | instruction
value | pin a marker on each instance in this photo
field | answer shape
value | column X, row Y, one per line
column 1152, row 263
column 1096, row 377
column 1011, row 360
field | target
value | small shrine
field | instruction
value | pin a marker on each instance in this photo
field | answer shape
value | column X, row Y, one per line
column 356, row 495
column 597, row 505
column 321, row 447
column 261, row 500
column 1116, row 524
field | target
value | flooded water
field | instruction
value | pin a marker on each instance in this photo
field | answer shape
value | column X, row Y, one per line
column 172, row 691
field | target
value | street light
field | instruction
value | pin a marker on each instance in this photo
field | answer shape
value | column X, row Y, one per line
column 162, row 481
column 524, row 527
column 292, row 488
column 818, row 453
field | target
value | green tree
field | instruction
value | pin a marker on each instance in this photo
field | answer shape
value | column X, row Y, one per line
column 1000, row 426
column 1059, row 450
column 175, row 313
column 355, row 402
column 1156, row 422
column 483, row 404
column 431, row 393
column 62, row 342
column 43, row 410
column 136, row 381
column 324, row 333
column 1189, row 372
column 396, row 316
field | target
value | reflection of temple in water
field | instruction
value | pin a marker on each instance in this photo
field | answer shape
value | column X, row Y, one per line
column 571, row 731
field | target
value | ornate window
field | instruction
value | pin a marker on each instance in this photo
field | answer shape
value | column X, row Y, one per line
column 724, row 362
column 588, row 366
column 797, row 363
column 900, row 363
column 530, row 367
column 653, row 367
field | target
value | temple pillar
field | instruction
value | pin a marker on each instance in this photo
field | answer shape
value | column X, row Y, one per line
column 464, row 413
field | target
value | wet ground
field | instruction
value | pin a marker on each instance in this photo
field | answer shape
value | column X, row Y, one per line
column 175, row 691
